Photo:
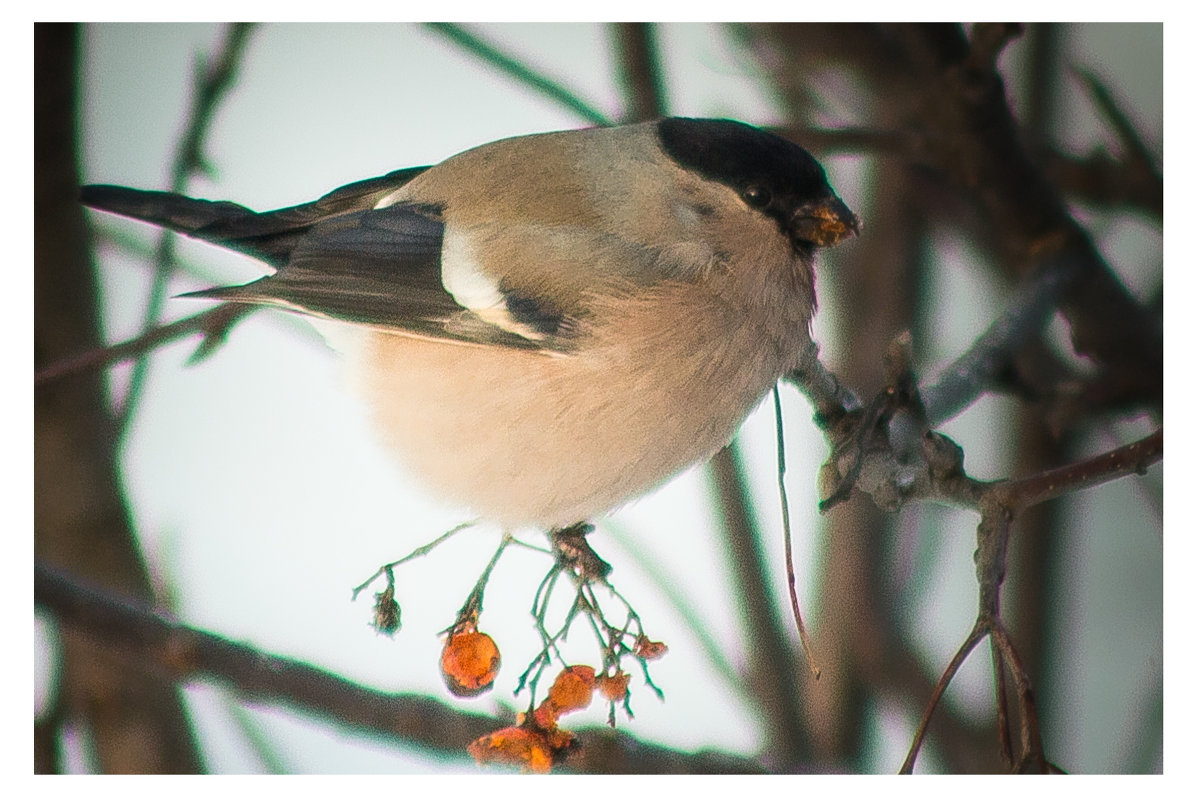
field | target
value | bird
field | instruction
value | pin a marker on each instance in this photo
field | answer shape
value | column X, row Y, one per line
column 546, row 327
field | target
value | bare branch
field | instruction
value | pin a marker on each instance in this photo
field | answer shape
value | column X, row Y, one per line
column 640, row 70
column 988, row 40
column 941, row 148
column 1101, row 181
column 775, row 671
column 1025, row 316
column 189, row 654
column 971, row 140
column 214, row 324
column 910, row 462
column 964, row 650
column 136, row 722
column 1134, row 146
column 831, row 400
column 213, row 81
column 519, row 71
column 1131, row 459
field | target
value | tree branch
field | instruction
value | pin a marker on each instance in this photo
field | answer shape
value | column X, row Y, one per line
column 519, row 71
column 214, row 325
column 640, row 70
column 213, row 81
column 774, row 672
column 135, row 722
column 184, row 654
column 1022, row 320
column 1135, row 458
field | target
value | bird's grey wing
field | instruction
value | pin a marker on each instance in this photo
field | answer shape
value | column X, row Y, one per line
column 343, row 258
column 382, row 267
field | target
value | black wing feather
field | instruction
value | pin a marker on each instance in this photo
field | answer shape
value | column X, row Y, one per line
column 337, row 257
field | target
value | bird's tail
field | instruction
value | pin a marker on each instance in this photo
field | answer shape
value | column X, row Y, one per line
column 168, row 210
column 269, row 237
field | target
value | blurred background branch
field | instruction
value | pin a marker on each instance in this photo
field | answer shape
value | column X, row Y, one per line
column 952, row 134
column 134, row 718
column 184, row 655
column 213, row 80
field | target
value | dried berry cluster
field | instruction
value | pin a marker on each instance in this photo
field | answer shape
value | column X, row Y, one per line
column 470, row 658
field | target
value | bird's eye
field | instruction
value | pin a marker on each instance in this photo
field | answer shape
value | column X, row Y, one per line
column 757, row 196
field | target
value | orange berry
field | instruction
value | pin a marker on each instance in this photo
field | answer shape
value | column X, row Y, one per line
column 514, row 746
column 613, row 687
column 572, row 689
column 545, row 716
column 647, row 650
column 470, row 661
column 525, row 746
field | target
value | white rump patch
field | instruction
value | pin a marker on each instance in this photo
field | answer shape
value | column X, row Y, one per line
column 472, row 289
column 463, row 279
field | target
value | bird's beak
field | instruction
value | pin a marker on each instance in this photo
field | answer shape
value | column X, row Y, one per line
column 824, row 223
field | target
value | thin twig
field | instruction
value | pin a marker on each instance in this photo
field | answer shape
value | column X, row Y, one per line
column 788, row 560
column 215, row 323
column 1003, row 731
column 976, row 635
column 1131, row 459
column 1132, row 143
column 679, row 602
column 213, row 82
column 473, row 606
column 411, row 720
column 520, row 71
column 423, row 550
column 1032, row 756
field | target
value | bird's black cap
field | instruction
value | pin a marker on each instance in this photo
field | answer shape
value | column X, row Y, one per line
column 778, row 177
column 740, row 155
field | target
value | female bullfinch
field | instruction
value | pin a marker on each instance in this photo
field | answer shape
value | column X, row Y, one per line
column 547, row 326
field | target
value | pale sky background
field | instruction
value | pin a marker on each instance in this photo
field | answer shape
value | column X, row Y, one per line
column 262, row 499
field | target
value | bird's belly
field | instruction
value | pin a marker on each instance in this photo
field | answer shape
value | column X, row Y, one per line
column 525, row 438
